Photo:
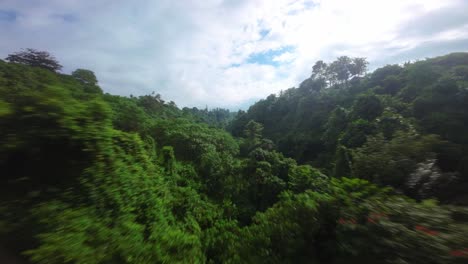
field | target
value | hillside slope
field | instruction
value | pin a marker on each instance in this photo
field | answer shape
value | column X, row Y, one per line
column 381, row 127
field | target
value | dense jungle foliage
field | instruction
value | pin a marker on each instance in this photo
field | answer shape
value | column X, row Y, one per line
column 348, row 168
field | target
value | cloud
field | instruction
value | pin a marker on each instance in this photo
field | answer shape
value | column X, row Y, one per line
column 436, row 21
column 226, row 53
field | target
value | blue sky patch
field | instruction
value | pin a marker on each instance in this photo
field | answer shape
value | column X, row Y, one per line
column 7, row 15
column 264, row 32
column 268, row 56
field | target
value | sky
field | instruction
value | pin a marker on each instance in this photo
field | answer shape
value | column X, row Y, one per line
column 226, row 53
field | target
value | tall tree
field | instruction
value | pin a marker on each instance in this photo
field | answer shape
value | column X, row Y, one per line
column 85, row 76
column 340, row 69
column 358, row 66
column 319, row 69
column 253, row 133
column 343, row 68
column 35, row 58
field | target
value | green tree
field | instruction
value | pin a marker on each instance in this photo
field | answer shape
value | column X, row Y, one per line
column 85, row 76
column 335, row 126
column 304, row 177
column 367, row 107
column 358, row 66
column 342, row 163
column 341, row 68
column 253, row 134
column 319, row 69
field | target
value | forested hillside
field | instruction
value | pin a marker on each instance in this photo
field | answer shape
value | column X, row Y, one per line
column 404, row 126
column 347, row 168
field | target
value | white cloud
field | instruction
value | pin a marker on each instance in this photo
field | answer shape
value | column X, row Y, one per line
column 285, row 57
column 196, row 52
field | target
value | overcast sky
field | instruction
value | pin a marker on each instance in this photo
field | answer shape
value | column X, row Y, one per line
column 226, row 53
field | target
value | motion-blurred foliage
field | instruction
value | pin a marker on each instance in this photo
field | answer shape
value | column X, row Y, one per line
column 88, row 177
